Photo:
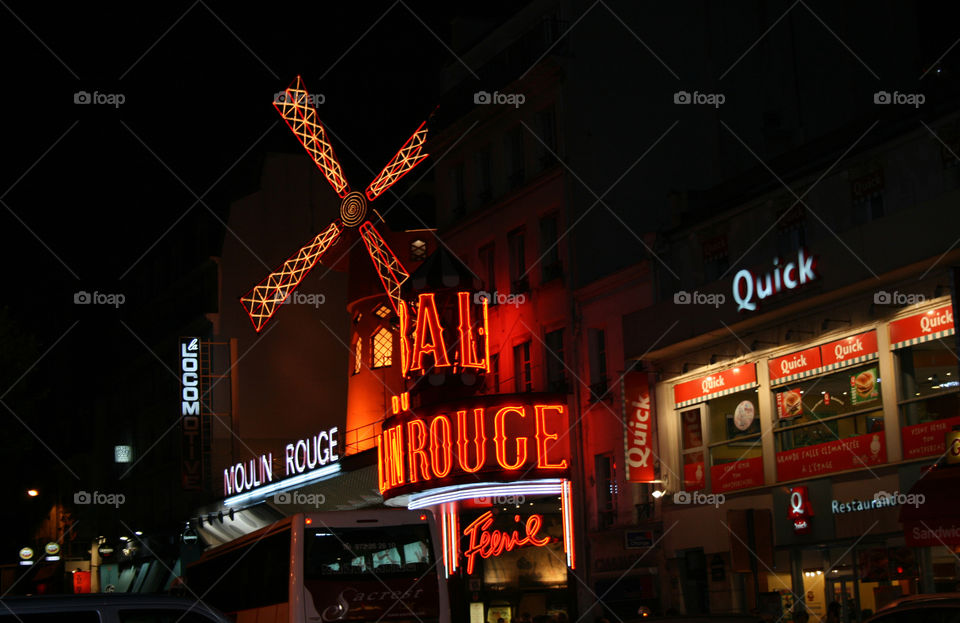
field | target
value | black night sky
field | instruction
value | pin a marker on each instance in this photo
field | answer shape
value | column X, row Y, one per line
column 95, row 196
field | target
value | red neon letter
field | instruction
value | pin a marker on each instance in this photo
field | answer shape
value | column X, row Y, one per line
column 482, row 523
column 468, row 350
column 440, row 446
column 543, row 437
column 428, row 322
column 404, row 314
column 479, row 440
column 417, row 435
column 381, row 464
column 533, row 527
column 500, row 438
column 392, row 443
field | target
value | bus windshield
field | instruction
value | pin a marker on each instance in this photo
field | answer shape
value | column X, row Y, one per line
column 383, row 551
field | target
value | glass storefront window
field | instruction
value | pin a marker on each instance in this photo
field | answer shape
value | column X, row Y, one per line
column 928, row 396
column 829, row 408
column 736, row 457
column 691, row 440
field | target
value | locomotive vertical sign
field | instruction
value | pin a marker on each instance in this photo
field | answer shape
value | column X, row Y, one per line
column 638, row 427
column 191, row 423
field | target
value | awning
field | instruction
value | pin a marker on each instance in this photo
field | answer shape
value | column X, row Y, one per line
column 930, row 513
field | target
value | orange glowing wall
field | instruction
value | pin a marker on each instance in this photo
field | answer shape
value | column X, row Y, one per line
column 370, row 391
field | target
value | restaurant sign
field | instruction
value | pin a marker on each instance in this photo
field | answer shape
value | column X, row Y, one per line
column 638, row 433
column 749, row 289
column 715, row 385
column 923, row 327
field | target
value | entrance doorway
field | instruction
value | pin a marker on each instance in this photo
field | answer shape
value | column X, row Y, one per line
column 841, row 589
column 693, row 576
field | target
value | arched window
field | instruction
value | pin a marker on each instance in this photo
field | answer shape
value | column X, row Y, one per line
column 382, row 347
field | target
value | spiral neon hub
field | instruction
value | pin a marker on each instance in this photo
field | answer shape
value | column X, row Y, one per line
column 353, row 209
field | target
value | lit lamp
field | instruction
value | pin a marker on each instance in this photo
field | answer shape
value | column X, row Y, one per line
column 33, row 493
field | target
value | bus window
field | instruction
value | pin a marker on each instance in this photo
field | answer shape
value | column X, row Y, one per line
column 236, row 580
column 417, row 552
column 401, row 549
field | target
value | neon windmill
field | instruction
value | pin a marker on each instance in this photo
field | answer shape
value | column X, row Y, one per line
column 263, row 300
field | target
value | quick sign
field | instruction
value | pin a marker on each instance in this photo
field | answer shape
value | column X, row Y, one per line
column 801, row 511
column 849, row 351
column 795, row 366
column 749, row 289
column 715, row 385
column 922, row 327
column 638, row 435
column 191, row 447
column 508, row 437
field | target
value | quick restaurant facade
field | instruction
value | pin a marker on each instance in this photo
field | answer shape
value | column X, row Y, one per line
column 810, row 421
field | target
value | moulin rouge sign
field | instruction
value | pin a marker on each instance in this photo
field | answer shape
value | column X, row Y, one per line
column 498, row 438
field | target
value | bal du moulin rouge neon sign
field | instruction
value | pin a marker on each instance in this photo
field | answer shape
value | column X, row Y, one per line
column 506, row 437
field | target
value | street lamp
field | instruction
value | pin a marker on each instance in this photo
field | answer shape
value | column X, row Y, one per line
column 33, row 493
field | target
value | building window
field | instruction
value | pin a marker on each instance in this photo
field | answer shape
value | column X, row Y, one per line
column 484, row 178
column 549, row 249
column 357, row 355
column 734, row 436
column 691, row 445
column 489, row 268
column 829, row 408
column 866, row 193
column 597, row 344
column 929, row 395
column 516, row 244
column 791, row 231
column 715, row 258
column 418, row 250
column 547, row 130
column 382, row 311
column 522, row 371
column 495, row 373
column 553, row 355
column 381, row 347
column 606, row 483
column 516, row 170
column 457, row 193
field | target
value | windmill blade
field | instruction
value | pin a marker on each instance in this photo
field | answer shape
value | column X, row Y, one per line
column 263, row 300
column 408, row 157
column 296, row 110
column 391, row 271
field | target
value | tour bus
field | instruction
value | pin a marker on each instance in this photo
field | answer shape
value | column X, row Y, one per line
column 367, row 565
